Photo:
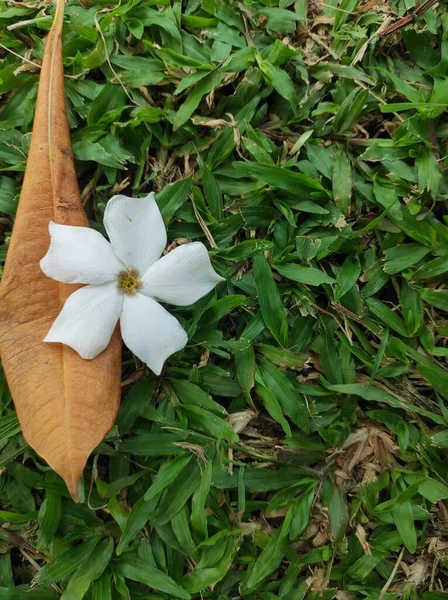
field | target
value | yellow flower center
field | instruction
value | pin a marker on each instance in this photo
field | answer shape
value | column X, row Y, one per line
column 128, row 282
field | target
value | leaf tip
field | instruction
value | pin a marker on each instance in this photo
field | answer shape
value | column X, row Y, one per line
column 74, row 486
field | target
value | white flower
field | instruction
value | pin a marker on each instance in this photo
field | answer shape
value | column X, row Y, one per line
column 126, row 280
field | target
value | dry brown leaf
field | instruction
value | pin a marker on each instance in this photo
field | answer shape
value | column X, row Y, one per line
column 65, row 404
column 317, row 581
column 417, row 573
column 362, row 538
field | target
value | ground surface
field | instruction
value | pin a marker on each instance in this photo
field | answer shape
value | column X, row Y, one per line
column 297, row 447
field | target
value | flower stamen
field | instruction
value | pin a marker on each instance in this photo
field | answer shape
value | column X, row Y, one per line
column 128, row 282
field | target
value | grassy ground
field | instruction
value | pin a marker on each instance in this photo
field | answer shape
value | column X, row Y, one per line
column 296, row 447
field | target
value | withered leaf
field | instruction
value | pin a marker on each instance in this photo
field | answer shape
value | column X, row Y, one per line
column 65, row 404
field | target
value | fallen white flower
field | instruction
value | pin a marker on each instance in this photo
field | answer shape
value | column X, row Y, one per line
column 126, row 280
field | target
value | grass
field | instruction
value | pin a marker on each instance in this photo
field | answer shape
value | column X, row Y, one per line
column 297, row 447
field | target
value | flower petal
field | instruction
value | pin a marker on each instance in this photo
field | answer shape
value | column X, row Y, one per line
column 150, row 331
column 79, row 255
column 136, row 230
column 88, row 319
column 182, row 276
